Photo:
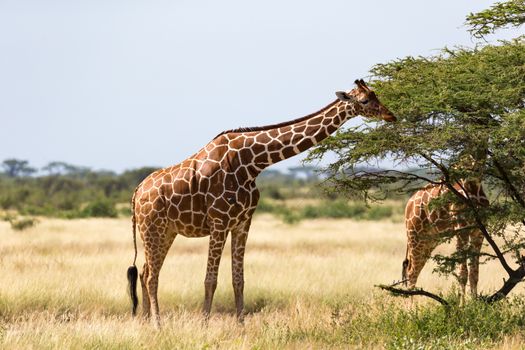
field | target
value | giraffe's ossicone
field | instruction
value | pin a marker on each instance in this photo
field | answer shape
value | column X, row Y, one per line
column 428, row 225
column 213, row 192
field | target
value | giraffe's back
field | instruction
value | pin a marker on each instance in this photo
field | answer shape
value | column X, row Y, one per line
column 173, row 198
column 420, row 218
column 209, row 188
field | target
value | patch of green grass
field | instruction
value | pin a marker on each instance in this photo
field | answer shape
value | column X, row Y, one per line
column 431, row 326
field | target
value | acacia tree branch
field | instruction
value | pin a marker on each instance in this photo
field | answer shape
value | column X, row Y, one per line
column 514, row 193
column 493, row 256
column 404, row 176
column 371, row 176
column 412, row 292
column 513, row 190
column 478, row 220
column 501, row 14
column 509, row 284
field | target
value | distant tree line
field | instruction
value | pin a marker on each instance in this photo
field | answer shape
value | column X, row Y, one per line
column 64, row 190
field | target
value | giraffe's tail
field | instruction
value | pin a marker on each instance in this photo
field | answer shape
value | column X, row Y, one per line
column 406, row 262
column 133, row 272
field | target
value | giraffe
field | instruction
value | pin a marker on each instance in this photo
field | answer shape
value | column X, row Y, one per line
column 426, row 226
column 213, row 193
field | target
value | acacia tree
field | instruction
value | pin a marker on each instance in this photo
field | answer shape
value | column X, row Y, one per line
column 460, row 104
column 502, row 14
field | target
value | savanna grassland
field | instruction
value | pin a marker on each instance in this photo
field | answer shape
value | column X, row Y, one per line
column 308, row 285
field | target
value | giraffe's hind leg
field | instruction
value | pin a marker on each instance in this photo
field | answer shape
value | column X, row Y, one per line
column 157, row 241
column 145, row 295
column 239, row 237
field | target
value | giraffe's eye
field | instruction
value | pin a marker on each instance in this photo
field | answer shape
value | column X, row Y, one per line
column 364, row 102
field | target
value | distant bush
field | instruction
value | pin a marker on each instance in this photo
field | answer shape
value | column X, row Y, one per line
column 265, row 206
column 341, row 209
column 8, row 216
column 123, row 211
column 290, row 216
column 19, row 223
column 273, row 192
column 7, row 201
column 338, row 209
column 100, row 208
column 379, row 212
column 334, row 209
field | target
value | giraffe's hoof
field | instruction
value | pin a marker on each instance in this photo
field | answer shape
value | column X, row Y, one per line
column 205, row 318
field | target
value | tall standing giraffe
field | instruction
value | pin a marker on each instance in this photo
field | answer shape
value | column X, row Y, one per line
column 213, row 192
column 427, row 227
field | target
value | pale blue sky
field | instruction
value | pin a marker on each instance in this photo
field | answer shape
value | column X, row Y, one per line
column 119, row 84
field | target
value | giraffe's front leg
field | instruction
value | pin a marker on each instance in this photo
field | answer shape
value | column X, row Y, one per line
column 239, row 238
column 217, row 240
column 461, row 245
column 476, row 241
column 419, row 249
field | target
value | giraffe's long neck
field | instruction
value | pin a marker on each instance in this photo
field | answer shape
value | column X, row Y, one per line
column 280, row 143
column 474, row 188
column 471, row 184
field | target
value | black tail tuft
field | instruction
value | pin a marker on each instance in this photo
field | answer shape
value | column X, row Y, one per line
column 404, row 272
column 133, row 275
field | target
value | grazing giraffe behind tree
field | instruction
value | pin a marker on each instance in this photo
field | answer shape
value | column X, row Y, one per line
column 427, row 227
column 213, row 192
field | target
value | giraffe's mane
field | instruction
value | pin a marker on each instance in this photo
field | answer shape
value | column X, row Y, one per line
column 279, row 125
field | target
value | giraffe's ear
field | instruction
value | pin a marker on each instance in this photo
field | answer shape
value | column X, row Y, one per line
column 343, row 96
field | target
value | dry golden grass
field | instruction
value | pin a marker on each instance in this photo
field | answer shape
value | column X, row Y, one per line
column 63, row 285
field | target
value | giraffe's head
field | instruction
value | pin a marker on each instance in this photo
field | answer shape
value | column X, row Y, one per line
column 365, row 102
